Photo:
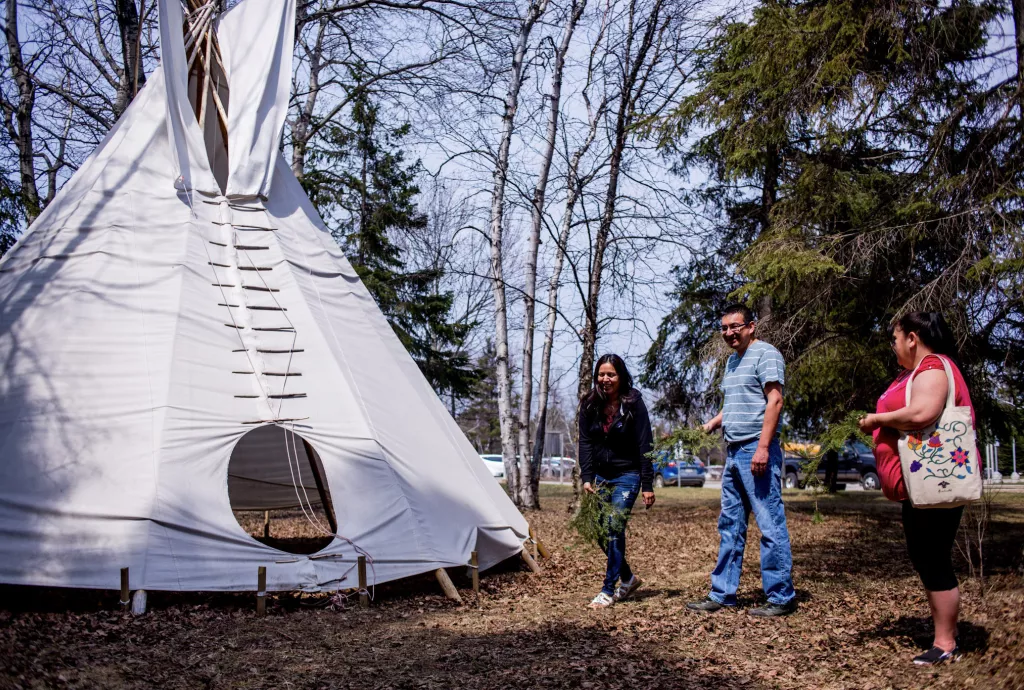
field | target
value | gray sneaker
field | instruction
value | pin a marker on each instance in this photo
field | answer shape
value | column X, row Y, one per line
column 707, row 605
column 626, row 589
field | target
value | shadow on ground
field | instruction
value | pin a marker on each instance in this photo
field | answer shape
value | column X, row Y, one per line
column 213, row 642
column 973, row 638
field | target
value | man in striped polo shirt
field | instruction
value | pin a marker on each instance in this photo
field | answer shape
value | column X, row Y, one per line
column 751, row 482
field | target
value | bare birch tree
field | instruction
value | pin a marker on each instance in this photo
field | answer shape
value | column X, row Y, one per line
column 71, row 87
column 18, row 113
column 132, row 71
column 343, row 48
column 529, row 470
column 649, row 47
column 640, row 40
column 574, row 188
column 506, row 412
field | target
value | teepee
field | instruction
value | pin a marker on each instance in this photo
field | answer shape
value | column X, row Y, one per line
column 179, row 333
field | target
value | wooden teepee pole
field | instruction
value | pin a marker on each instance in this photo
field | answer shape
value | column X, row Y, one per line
column 202, row 40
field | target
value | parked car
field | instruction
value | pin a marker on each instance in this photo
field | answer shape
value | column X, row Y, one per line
column 495, row 464
column 557, row 466
column 856, row 464
column 682, row 471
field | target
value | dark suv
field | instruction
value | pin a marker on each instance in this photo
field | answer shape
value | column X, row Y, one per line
column 856, row 464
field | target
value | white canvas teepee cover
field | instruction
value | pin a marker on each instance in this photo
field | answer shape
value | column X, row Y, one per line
column 144, row 330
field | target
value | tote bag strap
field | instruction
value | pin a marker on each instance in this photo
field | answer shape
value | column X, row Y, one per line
column 950, row 382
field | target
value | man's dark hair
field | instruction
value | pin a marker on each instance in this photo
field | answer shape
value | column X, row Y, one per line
column 741, row 309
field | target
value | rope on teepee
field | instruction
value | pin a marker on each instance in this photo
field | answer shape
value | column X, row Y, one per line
column 231, row 315
column 294, row 469
column 283, row 312
column 293, row 451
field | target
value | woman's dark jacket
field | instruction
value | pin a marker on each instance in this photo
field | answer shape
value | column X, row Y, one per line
column 623, row 448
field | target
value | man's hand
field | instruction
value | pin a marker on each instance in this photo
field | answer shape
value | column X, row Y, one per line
column 588, row 488
column 712, row 424
column 648, row 497
column 759, row 463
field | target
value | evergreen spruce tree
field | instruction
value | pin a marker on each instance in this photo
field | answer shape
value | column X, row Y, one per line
column 366, row 191
column 861, row 163
column 479, row 418
column 10, row 214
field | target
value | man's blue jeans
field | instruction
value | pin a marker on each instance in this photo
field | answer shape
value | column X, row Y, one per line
column 743, row 493
column 621, row 492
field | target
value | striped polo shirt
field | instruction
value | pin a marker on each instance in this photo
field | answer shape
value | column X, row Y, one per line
column 743, row 386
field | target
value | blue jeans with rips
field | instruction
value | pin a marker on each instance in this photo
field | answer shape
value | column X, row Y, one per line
column 743, row 493
column 621, row 493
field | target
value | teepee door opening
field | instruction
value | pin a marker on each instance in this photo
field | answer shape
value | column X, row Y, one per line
column 278, row 491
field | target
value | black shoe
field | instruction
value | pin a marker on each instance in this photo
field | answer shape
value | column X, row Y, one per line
column 707, row 605
column 936, row 656
column 770, row 610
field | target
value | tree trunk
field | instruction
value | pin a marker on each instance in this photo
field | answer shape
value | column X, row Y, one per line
column 574, row 189
column 549, row 335
column 21, row 130
column 302, row 125
column 133, row 76
column 769, row 194
column 506, row 413
column 1018, row 32
column 769, row 186
column 529, row 470
column 623, row 121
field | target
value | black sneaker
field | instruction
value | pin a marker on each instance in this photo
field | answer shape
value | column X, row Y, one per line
column 707, row 605
column 770, row 610
column 936, row 656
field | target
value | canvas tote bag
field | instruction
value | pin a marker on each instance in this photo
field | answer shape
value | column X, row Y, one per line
column 941, row 467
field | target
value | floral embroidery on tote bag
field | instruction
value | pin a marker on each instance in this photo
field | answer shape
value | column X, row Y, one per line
column 933, row 455
column 941, row 453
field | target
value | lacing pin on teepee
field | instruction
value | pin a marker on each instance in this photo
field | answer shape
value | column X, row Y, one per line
column 207, row 75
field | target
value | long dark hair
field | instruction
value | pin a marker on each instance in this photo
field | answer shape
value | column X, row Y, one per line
column 931, row 328
column 596, row 399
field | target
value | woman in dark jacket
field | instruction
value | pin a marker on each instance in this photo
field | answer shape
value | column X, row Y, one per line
column 615, row 438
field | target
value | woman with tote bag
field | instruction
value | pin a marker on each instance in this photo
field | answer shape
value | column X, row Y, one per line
column 941, row 458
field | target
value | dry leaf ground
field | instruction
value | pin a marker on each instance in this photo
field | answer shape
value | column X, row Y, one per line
column 862, row 617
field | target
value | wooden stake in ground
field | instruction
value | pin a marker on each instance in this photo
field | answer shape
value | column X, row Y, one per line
column 474, row 567
column 530, row 561
column 447, row 585
column 364, row 598
column 266, row 524
column 124, row 588
column 261, row 591
column 543, row 550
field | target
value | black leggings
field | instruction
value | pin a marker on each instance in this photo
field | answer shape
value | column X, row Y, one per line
column 930, row 535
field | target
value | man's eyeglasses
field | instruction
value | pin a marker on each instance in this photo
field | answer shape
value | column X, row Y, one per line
column 735, row 327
